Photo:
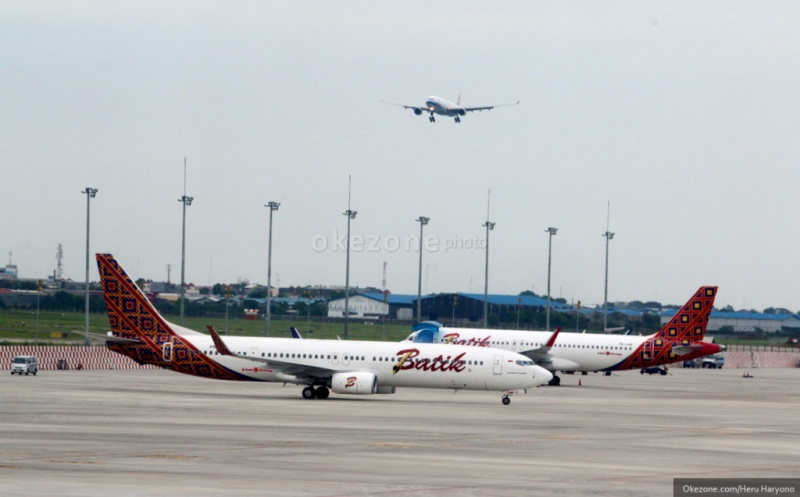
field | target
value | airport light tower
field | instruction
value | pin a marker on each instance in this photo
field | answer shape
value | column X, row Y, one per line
column 186, row 201
column 422, row 222
column 273, row 206
column 90, row 194
column 552, row 232
column 351, row 214
column 608, row 236
column 489, row 227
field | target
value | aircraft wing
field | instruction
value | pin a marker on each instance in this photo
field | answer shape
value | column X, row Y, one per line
column 489, row 107
column 284, row 366
column 415, row 108
column 542, row 354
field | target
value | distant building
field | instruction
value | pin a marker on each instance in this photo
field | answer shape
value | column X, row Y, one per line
column 9, row 272
column 746, row 321
column 470, row 305
column 371, row 305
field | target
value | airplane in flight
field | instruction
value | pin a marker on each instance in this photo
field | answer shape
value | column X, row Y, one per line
column 681, row 339
column 346, row 367
column 435, row 105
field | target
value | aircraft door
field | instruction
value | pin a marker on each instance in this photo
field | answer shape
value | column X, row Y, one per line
column 335, row 359
column 346, row 359
column 166, row 351
column 498, row 364
column 514, row 345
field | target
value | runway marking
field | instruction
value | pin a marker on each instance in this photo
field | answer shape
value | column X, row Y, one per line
column 72, row 462
column 168, row 456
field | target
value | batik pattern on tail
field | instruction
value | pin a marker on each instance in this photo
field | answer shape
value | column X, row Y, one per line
column 688, row 325
column 132, row 316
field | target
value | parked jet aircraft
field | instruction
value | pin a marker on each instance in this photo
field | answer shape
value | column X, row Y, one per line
column 435, row 105
column 679, row 340
column 347, row 367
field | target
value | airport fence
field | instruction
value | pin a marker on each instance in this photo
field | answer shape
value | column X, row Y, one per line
column 76, row 357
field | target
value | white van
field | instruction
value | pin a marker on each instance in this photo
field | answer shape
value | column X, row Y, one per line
column 25, row 364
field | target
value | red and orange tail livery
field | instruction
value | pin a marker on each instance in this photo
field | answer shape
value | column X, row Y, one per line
column 132, row 316
column 689, row 323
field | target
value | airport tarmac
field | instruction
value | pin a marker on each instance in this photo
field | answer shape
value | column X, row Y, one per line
column 161, row 433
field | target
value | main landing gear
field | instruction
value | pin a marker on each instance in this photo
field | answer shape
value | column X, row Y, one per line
column 556, row 381
column 310, row 392
column 458, row 119
column 432, row 119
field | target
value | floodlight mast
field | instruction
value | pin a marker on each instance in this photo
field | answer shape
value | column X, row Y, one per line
column 273, row 206
column 90, row 194
column 351, row 214
column 489, row 227
column 608, row 236
column 186, row 201
column 552, row 232
column 422, row 222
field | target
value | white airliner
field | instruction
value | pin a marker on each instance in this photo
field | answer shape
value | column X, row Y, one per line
column 680, row 339
column 347, row 367
column 435, row 105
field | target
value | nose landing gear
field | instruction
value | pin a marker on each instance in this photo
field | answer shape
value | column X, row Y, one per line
column 506, row 400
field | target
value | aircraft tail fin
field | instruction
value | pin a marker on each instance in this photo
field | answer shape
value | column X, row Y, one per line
column 689, row 323
column 130, row 313
column 458, row 101
column 295, row 333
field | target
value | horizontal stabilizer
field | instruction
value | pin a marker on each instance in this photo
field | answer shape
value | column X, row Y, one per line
column 106, row 338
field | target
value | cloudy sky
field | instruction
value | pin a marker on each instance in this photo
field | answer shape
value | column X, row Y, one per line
column 684, row 115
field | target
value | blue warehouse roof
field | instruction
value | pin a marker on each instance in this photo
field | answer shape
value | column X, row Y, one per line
column 512, row 300
column 740, row 315
column 393, row 298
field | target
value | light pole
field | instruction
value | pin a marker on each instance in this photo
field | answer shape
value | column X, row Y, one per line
column 227, row 305
column 422, row 222
column 489, row 226
column 90, row 194
column 552, row 232
column 273, row 206
column 186, row 201
column 351, row 214
column 608, row 236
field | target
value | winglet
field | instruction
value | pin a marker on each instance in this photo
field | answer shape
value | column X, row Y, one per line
column 295, row 333
column 552, row 340
column 218, row 343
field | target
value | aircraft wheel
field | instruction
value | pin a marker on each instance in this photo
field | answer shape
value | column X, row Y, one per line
column 641, row 372
column 309, row 393
column 506, row 401
column 556, row 381
column 322, row 393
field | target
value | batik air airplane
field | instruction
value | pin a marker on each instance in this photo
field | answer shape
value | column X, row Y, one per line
column 346, row 367
column 435, row 105
column 680, row 339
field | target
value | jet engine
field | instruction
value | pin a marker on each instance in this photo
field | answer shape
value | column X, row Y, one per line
column 462, row 112
column 418, row 112
column 358, row 383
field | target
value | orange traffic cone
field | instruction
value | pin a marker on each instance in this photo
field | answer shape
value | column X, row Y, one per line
column 579, row 382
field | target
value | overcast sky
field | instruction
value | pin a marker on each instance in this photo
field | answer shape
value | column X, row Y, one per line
column 684, row 115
